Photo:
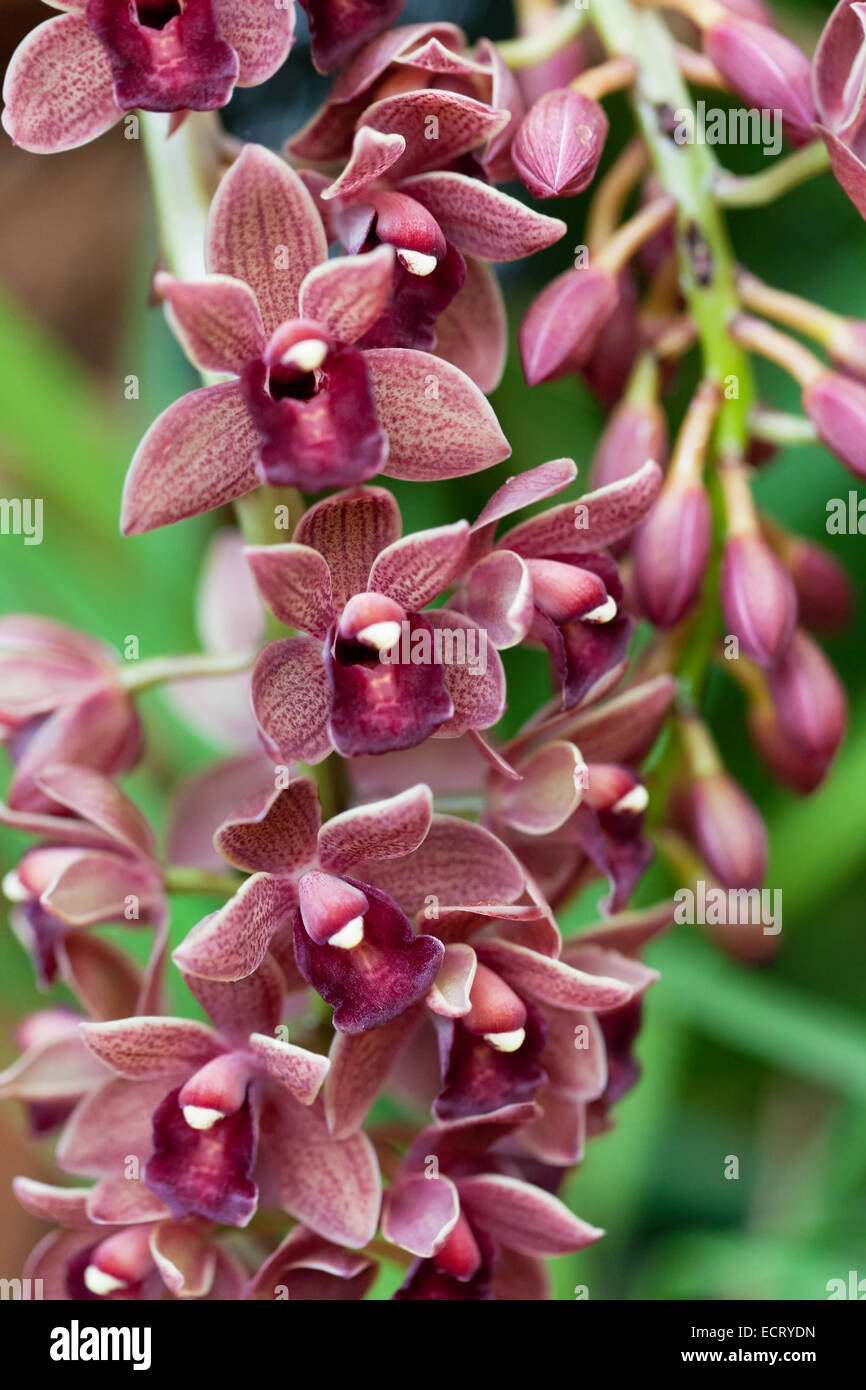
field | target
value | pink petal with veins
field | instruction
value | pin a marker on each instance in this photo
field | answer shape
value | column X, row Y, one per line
column 198, row 455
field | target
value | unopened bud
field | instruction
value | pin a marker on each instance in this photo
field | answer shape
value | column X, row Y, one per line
column 559, row 143
column 563, row 322
column 766, row 69
column 671, row 551
column 836, row 405
column 759, row 602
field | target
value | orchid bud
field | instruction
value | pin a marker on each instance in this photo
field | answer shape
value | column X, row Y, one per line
column 634, row 433
column 563, row 323
column 671, row 551
column 836, row 405
column 825, row 598
column 759, row 602
column 811, row 706
column 728, row 830
column 719, row 817
column 766, row 69
column 559, row 143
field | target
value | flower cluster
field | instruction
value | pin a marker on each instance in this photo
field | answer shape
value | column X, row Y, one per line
column 388, row 866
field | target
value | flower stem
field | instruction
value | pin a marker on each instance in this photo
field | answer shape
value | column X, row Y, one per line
column 144, row 675
column 546, row 41
column 756, row 190
column 181, row 879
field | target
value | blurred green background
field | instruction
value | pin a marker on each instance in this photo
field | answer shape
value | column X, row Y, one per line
column 768, row 1065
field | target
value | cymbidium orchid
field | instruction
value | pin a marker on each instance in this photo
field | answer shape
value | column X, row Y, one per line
column 117, row 55
column 409, row 1036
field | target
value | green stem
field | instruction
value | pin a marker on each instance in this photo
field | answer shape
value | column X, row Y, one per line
column 144, row 675
column 546, row 41
column 777, row 427
column 756, row 190
column 179, row 879
column 183, row 175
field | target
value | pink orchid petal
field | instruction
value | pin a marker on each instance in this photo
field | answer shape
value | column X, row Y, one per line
column 380, row 830
column 197, row 455
column 505, row 95
column 438, row 423
column 339, row 27
column 472, row 333
column 525, row 489
column 558, row 1136
column 112, row 1121
column 593, row 521
column 260, row 32
column 330, row 1184
column 310, row 1269
column 292, row 700
column 58, row 91
column 216, row 320
column 520, row 1279
column 498, row 597
column 58, row 1070
column 277, row 833
column 50, row 1262
column 104, row 979
column 295, row 583
column 60, row 828
column 462, row 123
column 554, row 779
column 123, row 1202
column 62, row 1206
column 551, row 981
column 349, row 530
column 296, row 1069
column 206, row 799
column 574, row 1055
column 360, row 1065
column 372, row 155
column 241, row 1007
column 848, row 169
column 434, row 56
column 477, row 684
column 348, row 294
column 627, row 932
column 101, row 731
column 32, row 683
column 459, row 862
column 147, row 1048
column 361, row 71
column 232, row 943
column 101, row 802
column 327, row 135
column 414, row 570
column 260, row 207
column 523, row 1217
column 623, row 728
column 449, row 997
column 96, row 887
column 596, row 959
column 184, row 1257
column 481, row 220
column 419, row 1213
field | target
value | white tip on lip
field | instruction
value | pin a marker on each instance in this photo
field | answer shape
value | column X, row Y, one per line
column 634, row 801
column 13, row 889
column 200, row 1117
column 306, row 355
column 416, row 262
column 97, row 1281
column 506, row 1042
column 603, row 614
column 382, row 636
column 352, row 934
